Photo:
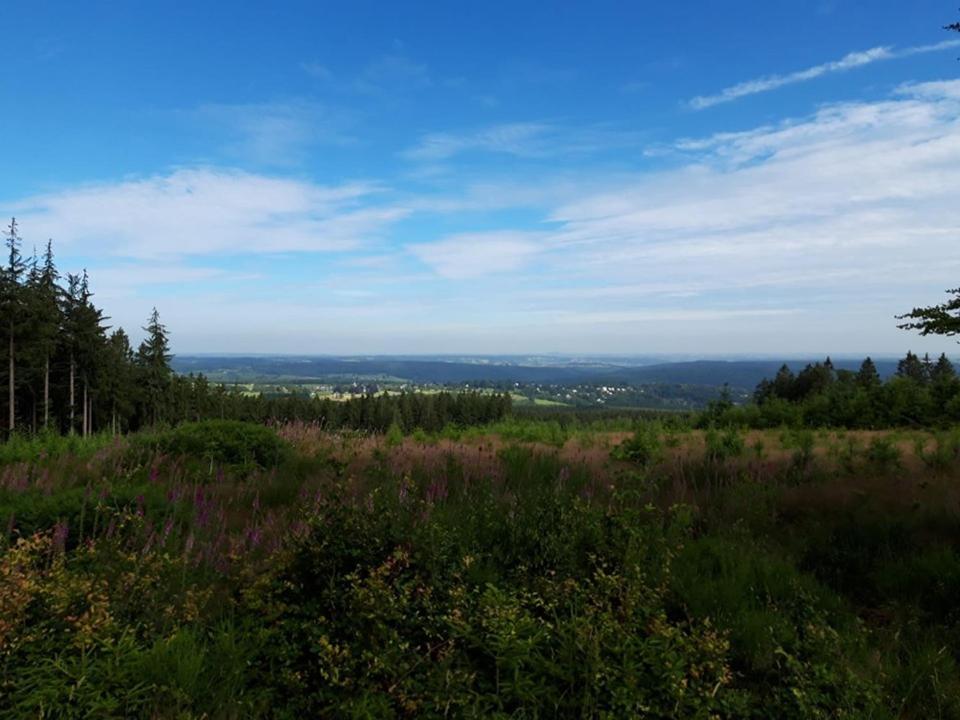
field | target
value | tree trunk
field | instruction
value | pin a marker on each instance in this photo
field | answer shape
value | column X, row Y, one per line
column 85, row 408
column 73, row 377
column 46, row 393
column 13, row 367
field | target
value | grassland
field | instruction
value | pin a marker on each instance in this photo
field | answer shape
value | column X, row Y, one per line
column 525, row 569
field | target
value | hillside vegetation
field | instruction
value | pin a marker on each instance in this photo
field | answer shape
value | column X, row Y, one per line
column 524, row 569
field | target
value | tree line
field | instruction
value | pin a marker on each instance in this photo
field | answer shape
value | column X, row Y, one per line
column 922, row 392
column 66, row 371
column 195, row 398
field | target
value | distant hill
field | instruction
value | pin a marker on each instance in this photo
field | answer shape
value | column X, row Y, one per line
column 736, row 373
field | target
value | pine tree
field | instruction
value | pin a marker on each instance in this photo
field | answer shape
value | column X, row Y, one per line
column 47, row 320
column 153, row 359
column 943, row 319
column 867, row 376
column 119, row 387
column 912, row 367
column 69, row 338
column 91, row 340
column 12, row 309
column 943, row 371
column 784, row 383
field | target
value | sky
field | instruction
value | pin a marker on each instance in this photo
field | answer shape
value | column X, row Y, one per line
column 709, row 178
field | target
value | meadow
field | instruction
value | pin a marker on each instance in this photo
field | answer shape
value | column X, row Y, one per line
column 524, row 569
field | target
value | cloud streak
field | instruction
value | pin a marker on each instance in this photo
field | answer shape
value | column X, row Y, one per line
column 207, row 211
column 848, row 62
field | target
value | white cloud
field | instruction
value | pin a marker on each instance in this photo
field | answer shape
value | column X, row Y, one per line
column 469, row 255
column 811, row 233
column 511, row 138
column 858, row 199
column 206, row 211
column 275, row 133
column 523, row 140
column 847, row 62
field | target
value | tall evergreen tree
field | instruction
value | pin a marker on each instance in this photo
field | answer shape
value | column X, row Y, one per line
column 153, row 359
column 943, row 371
column 12, row 310
column 88, row 336
column 46, row 314
column 867, row 376
column 912, row 367
column 119, row 389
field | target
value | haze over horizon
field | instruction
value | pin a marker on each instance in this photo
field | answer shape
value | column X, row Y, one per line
column 775, row 179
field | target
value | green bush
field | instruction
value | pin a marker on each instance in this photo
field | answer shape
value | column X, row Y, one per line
column 644, row 448
column 229, row 442
column 884, row 453
column 723, row 446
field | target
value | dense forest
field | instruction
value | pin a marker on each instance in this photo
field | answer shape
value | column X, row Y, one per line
column 922, row 393
column 66, row 371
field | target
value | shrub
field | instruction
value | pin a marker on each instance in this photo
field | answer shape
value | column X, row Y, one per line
column 723, row 446
column 229, row 442
column 644, row 448
column 883, row 452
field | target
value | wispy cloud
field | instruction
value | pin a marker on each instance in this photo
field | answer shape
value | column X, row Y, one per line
column 274, row 133
column 206, row 211
column 848, row 62
column 469, row 255
column 811, row 232
column 521, row 139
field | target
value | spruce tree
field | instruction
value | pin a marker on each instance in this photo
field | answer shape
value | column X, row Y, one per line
column 12, row 310
column 119, row 387
column 91, row 340
column 47, row 320
column 69, row 339
column 867, row 376
column 943, row 371
column 153, row 359
column 912, row 367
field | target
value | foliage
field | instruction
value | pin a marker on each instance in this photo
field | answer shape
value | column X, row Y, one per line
column 480, row 575
column 923, row 393
column 222, row 442
column 644, row 448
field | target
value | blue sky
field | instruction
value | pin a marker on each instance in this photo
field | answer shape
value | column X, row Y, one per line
column 705, row 177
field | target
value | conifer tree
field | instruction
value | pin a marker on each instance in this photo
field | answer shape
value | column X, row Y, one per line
column 47, row 321
column 867, row 376
column 912, row 367
column 70, row 342
column 12, row 310
column 153, row 359
column 943, row 371
column 90, row 338
column 783, row 383
column 119, row 389
column 943, row 319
